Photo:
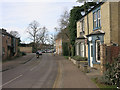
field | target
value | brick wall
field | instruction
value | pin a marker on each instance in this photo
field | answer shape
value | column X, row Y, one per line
column 103, row 58
column 4, row 46
column 112, row 52
column 26, row 49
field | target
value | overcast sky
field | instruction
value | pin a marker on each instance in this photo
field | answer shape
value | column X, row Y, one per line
column 17, row 14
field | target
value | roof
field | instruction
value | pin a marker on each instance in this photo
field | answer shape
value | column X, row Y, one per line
column 4, row 32
column 92, row 10
column 98, row 32
column 81, row 37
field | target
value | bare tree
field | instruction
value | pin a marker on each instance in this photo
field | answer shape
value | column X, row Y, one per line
column 37, row 34
column 63, row 24
column 15, row 34
column 42, row 35
column 64, row 20
column 33, row 30
column 52, row 39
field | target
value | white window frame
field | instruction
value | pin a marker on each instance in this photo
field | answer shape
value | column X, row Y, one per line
column 82, row 25
column 82, row 49
column 99, row 17
column 95, row 20
column 97, row 50
column 83, row 29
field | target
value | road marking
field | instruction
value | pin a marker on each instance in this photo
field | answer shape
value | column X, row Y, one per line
column 11, row 80
column 57, row 78
column 35, row 65
column 33, row 68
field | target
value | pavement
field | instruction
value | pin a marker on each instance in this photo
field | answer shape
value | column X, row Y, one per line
column 71, row 77
column 17, row 61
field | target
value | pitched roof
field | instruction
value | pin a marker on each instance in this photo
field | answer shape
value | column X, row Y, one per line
column 81, row 37
column 98, row 5
column 4, row 32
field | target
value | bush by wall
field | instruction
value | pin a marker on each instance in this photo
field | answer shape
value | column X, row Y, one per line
column 79, row 58
column 65, row 49
column 111, row 75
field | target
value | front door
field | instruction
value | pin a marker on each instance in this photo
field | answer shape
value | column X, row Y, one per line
column 91, row 55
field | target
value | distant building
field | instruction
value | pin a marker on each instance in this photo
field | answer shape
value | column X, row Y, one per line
column 27, row 48
column 9, row 45
column 58, row 46
column 61, row 39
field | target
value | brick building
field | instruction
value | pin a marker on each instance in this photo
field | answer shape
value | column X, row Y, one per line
column 9, row 45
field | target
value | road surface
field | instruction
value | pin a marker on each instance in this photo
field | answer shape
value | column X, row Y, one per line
column 37, row 73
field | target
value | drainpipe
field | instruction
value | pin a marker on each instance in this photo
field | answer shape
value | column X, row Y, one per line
column 110, row 23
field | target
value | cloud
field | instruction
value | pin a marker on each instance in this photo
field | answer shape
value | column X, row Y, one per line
column 37, row 0
column 17, row 16
column 22, row 31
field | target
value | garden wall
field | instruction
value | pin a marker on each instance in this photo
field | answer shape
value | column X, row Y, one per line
column 111, row 53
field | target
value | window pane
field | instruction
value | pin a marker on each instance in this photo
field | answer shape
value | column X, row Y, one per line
column 95, row 21
column 98, row 50
column 82, row 25
column 98, row 13
column 95, row 16
column 99, row 22
column 94, row 24
column 91, row 51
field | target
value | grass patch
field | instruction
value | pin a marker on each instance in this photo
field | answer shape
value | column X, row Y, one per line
column 66, row 57
column 79, row 58
column 103, row 86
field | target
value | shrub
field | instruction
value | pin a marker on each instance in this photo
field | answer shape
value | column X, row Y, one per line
column 79, row 58
column 111, row 72
column 66, row 57
column 23, row 53
column 65, row 49
column 18, row 53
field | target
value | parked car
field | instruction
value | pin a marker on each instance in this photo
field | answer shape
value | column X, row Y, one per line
column 43, row 51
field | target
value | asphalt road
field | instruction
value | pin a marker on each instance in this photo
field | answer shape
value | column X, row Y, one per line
column 37, row 73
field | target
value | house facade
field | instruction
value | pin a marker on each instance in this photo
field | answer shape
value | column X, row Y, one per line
column 101, row 25
column 58, row 44
column 9, row 45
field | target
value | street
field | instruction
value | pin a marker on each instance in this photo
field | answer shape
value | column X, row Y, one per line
column 37, row 73
column 60, row 44
column 47, row 71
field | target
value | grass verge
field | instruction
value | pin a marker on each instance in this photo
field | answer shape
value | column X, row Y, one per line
column 104, row 86
column 66, row 57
